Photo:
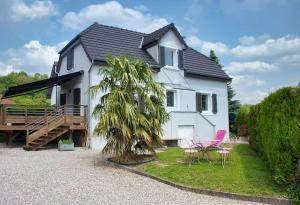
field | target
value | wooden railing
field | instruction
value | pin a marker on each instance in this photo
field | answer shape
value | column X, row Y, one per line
column 45, row 120
column 24, row 115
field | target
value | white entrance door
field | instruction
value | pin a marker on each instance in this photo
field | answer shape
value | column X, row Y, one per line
column 186, row 135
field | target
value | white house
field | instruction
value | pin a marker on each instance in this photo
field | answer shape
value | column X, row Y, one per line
column 196, row 88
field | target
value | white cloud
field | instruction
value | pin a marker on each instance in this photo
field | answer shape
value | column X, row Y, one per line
column 205, row 46
column 244, row 81
column 252, row 48
column 251, row 97
column 293, row 60
column 251, row 40
column 37, row 9
column 269, row 48
column 6, row 69
column 32, row 57
column 113, row 13
column 250, row 67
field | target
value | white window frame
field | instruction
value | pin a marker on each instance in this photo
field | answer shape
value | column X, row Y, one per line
column 176, row 100
column 175, row 58
column 209, row 103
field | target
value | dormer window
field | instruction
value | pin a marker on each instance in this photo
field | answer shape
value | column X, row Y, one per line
column 169, row 56
column 70, row 59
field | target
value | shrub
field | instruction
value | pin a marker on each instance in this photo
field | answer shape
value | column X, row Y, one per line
column 65, row 141
column 274, row 131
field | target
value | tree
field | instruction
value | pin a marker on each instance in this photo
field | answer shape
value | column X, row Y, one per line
column 131, row 114
column 19, row 78
column 233, row 105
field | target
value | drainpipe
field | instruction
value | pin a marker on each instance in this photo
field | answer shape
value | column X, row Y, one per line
column 56, row 87
column 89, row 105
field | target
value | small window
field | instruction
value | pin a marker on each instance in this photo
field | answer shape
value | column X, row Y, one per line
column 204, row 102
column 169, row 56
column 170, row 98
column 70, row 59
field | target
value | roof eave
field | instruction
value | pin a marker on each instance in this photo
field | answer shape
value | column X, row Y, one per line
column 207, row 77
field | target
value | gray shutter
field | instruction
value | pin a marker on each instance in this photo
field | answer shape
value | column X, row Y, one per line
column 198, row 102
column 214, row 104
column 180, row 58
column 70, row 59
column 162, row 55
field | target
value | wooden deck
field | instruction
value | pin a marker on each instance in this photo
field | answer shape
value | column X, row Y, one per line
column 29, row 119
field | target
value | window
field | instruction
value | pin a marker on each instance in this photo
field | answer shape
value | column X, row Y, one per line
column 70, row 59
column 204, row 102
column 169, row 56
column 170, row 98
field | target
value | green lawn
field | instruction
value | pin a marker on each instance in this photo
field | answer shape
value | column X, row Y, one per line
column 245, row 173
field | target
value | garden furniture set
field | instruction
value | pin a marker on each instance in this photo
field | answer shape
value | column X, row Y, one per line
column 202, row 148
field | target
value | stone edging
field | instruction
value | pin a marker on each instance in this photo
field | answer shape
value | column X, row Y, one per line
column 260, row 199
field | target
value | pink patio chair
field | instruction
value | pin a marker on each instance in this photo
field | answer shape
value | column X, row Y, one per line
column 205, row 146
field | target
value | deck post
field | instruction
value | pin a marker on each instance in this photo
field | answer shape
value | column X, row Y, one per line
column 9, row 138
column 1, row 115
column 4, row 114
column 26, row 116
column 27, row 133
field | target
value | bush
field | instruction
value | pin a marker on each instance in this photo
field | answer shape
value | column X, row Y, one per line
column 274, row 131
column 66, row 141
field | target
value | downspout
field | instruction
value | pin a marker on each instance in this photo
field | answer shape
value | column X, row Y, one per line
column 89, row 105
column 56, row 86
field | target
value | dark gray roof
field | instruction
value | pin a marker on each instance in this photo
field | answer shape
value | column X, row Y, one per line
column 196, row 63
column 158, row 34
column 100, row 40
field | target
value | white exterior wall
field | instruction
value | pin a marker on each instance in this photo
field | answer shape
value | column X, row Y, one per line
column 173, row 78
column 185, row 111
column 96, row 142
column 153, row 51
column 81, row 62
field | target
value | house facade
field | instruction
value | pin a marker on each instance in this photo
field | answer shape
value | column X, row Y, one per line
column 196, row 88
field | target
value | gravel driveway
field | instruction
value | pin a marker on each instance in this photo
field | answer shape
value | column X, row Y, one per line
column 81, row 177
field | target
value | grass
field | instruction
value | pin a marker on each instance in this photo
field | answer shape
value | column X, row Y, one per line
column 245, row 173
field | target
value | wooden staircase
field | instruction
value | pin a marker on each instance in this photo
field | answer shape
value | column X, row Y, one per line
column 46, row 128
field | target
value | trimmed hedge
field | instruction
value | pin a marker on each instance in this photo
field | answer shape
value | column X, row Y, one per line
column 274, row 131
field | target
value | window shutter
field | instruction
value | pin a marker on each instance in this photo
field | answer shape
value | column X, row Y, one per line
column 180, row 58
column 70, row 59
column 198, row 102
column 162, row 55
column 214, row 104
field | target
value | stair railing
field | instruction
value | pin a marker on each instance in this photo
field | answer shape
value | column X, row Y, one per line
column 45, row 120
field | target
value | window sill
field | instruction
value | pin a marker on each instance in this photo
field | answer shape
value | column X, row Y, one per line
column 207, row 113
column 171, row 67
column 69, row 70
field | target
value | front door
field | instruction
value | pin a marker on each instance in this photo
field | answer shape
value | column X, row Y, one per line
column 76, row 100
column 185, row 135
column 63, row 99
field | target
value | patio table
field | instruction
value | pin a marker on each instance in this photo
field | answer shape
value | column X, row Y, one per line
column 224, row 155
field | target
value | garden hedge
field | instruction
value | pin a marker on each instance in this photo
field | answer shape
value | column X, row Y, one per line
column 274, row 131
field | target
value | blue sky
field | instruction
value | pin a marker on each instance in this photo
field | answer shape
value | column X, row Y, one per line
column 257, row 41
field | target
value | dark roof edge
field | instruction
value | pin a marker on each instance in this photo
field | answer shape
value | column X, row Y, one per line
column 101, row 62
column 170, row 26
column 76, row 37
column 206, row 77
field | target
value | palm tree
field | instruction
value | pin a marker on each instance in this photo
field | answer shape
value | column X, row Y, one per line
column 131, row 113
